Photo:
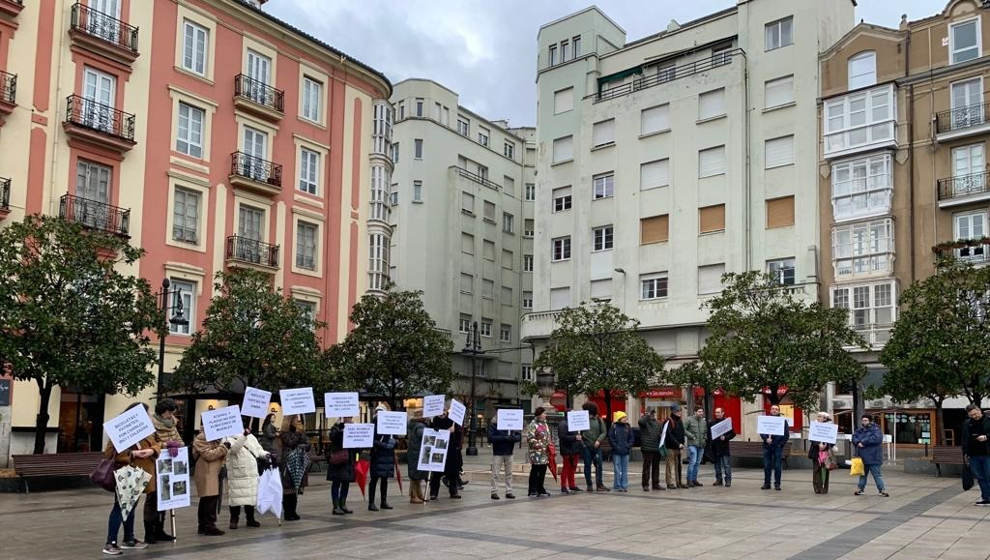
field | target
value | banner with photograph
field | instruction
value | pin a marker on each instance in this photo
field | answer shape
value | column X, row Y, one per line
column 173, row 479
column 433, row 452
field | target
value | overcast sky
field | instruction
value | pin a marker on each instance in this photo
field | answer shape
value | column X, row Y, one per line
column 486, row 50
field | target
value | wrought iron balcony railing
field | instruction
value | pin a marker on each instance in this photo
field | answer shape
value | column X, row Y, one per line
column 664, row 75
column 104, row 27
column 477, row 178
column 259, row 92
column 251, row 251
column 94, row 214
column 961, row 118
column 4, row 194
column 256, row 169
column 962, row 185
column 8, row 88
column 99, row 117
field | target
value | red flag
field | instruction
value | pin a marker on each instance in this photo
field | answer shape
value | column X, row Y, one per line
column 398, row 474
column 361, row 473
column 552, row 461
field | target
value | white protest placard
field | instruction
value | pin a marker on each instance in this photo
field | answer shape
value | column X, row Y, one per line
column 130, row 427
column 721, row 428
column 433, row 450
column 663, row 435
column 297, row 401
column 578, row 421
column 823, row 431
column 392, row 423
column 509, row 419
column 173, row 479
column 341, row 405
column 457, row 411
column 433, row 405
column 358, row 436
column 256, row 403
column 222, row 422
column 773, row 425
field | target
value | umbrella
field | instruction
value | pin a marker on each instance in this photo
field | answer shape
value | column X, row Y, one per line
column 552, row 460
column 270, row 492
column 131, row 482
column 398, row 474
column 361, row 473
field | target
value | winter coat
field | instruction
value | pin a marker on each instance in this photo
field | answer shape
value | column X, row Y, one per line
column 539, row 441
column 503, row 441
column 290, row 442
column 596, row 432
column 649, row 433
column 813, row 450
column 147, row 464
column 973, row 429
column 872, row 451
column 570, row 442
column 675, row 433
column 720, row 446
column 383, row 456
column 242, row 469
column 777, row 441
column 210, row 457
column 269, row 435
column 343, row 472
column 620, row 437
column 415, row 438
column 696, row 431
column 165, row 430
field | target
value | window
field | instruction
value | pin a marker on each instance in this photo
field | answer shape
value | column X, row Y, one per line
column 602, row 238
column 576, row 45
column 601, row 290
column 417, row 191
column 309, row 166
column 654, row 174
column 863, row 248
column 185, row 216
column 464, row 323
column 437, row 111
column 378, row 261
column 489, row 209
column 195, row 40
column 184, row 294
column 603, row 133
column 418, row 148
column 779, row 151
column 553, row 55
column 722, row 55
column 530, row 191
column 505, row 333
column 563, row 149
column 654, row 119
column 655, row 229
column 862, row 70
column 507, row 296
column 563, row 100
column 711, row 104
column 486, row 327
column 710, row 278
column 395, row 152
column 561, row 199
column 527, row 263
column 509, row 185
column 467, row 203
column 653, row 286
column 859, row 119
column 508, row 258
column 711, row 218
column 666, row 72
column 527, row 300
column 508, row 223
column 968, row 164
column 307, row 311
column 311, row 96
column 463, row 127
column 529, row 227
column 779, row 33
column 778, row 92
column 419, row 107
column 508, row 150
column 487, row 288
column 467, row 243
column 483, row 135
column 964, row 41
column 711, row 162
column 560, row 298
column 189, row 136
column 869, row 307
column 967, row 104
column 93, row 192
column 780, row 212
column 488, row 250
column 862, row 187
column 446, row 116
column 402, row 110
column 967, row 226
column 527, row 373
column 467, row 283
column 565, row 50
column 603, row 186
column 782, row 271
column 561, row 248
column 306, row 245
column 393, row 198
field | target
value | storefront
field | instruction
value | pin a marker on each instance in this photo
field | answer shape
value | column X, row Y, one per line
column 618, row 402
column 794, row 414
column 730, row 404
column 661, row 398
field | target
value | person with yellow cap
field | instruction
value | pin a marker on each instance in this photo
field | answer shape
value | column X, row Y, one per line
column 620, row 436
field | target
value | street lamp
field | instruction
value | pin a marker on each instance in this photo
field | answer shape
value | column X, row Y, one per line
column 472, row 346
column 178, row 320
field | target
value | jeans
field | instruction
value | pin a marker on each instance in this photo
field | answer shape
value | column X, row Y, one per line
column 621, row 464
column 567, row 477
column 980, row 465
column 723, row 468
column 338, row 491
column 503, row 462
column 116, row 518
column 592, row 455
column 773, row 459
column 877, row 477
column 651, row 469
column 695, row 454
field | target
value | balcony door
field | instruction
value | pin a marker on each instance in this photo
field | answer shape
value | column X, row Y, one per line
column 90, row 207
column 967, row 170
column 99, row 91
column 967, row 103
column 250, row 230
column 259, row 70
column 972, row 225
column 104, row 24
column 256, row 147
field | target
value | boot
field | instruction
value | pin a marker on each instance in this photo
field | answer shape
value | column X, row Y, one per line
column 249, row 513
column 336, row 508
column 289, row 502
column 160, row 534
column 149, row 532
column 343, row 506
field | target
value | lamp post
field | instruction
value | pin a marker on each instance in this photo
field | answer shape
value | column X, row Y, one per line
column 472, row 346
column 178, row 320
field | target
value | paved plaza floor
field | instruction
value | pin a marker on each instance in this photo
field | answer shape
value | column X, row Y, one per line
column 925, row 517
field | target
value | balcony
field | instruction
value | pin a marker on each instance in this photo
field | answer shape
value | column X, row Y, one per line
column 8, row 93
column 963, row 189
column 723, row 58
column 861, row 121
column 258, row 97
column 962, row 122
column 538, row 324
column 256, row 174
column 876, row 335
column 99, row 124
column 4, row 197
column 250, row 253
column 483, row 181
column 103, row 33
column 971, row 251
column 11, row 8
column 95, row 215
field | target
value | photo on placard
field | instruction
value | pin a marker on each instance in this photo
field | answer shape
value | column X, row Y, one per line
column 425, row 455
column 179, row 488
column 179, row 467
column 441, row 444
column 165, row 488
column 430, row 441
column 437, row 458
column 165, row 465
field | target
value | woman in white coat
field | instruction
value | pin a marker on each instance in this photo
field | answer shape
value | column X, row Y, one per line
column 242, row 476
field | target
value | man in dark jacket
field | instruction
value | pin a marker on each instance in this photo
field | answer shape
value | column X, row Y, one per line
column 868, row 442
column 721, row 456
column 452, row 468
column 674, row 442
column 773, row 452
column 649, row 437
column 975, row 433
column 503, row 445
column 592, row 440
column 570, row 450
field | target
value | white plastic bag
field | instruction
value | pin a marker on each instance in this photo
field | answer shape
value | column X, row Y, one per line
column 270, row 493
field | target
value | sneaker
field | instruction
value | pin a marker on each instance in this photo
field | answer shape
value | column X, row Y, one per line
column 717, row 483
column 565, row 491
column 671, row 487
column 765, row 487
column 696, row 483
column 510, row 496
column 646, row 489
column 133, row 544
column 495, row 496
column 575, row 489
column 452, row 497
column 983, row 503
column 386, row 506
column 777, row 488
column 111, row 549
column 728, row 484
column 858, row 493
column 591, row 489
column 253, row 523
column 884, row 494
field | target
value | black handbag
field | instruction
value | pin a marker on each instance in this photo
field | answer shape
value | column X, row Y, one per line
column 103, row 476
column 967, row 478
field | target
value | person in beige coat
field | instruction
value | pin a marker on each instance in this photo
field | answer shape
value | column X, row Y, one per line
column 210, row 457
column 242, row 476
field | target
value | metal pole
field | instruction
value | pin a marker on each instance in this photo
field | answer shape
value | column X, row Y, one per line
column 474, row 345
column 161, row 338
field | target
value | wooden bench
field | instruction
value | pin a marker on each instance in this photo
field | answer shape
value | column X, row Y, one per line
column 55, row 464
column 754, row 450
column 946, row 455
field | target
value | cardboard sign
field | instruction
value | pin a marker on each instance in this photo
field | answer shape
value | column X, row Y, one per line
column 391, row 423
column 222, row 422
column 663, row 435
column 173, row 479
column 256, row 403
column 297, row 401
column 823, row 431
column 358, row 436
column 433, row 451
column 130, row 427
column 509, row 419
column 721, row 428
column 341, row 405
column 578, row 421
column 433, row 405
column 773, row 425
column 457, row 411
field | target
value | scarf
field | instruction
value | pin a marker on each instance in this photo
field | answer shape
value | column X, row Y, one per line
column 165, row 422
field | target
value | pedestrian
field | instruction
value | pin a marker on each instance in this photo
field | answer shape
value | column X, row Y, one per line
column 773, row 452
column 649, row 438
column 293, row 464
column 503, row 446
column 382, row 465
column 592, row 439
column 169, row 439
column 674, row 442
column 868, row 442
column 570, row 450
column 721, row 455
column 210, row 457
column 269, row 435
column 620, row 437
column 452, row 468
column 340, row 468
column 141, row 455
column 242, row 476
column 975, row 433
column 417, row 478
column 696, row 434
column 539, row 441
column 822, row 460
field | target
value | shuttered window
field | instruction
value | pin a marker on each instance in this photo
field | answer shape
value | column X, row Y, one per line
column 563, row 100
column 563, row 149
column 654, row 174
column 603, row 132
column 710, row 278
column 654, row 119
column 780, row 212
column 711, row 218
column 778, row 92
column 655, row 229
column 711, row 104
column 711, row 161
column 779, row 151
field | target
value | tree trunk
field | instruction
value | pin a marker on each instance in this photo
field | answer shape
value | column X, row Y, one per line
column 41, row 422
column 774, row 396
column 709, row 401
column 939, row 422
column 608, row 407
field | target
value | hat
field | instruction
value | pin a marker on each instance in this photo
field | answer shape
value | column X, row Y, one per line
column 675, row 407
column 619, row 415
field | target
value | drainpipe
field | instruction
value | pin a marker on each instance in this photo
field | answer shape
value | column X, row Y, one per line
column 910, row 92
column 747, row 211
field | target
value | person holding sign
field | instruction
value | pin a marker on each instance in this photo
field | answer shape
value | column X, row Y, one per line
column 649, row 436
column 503, row 445
column 570, row 450
column 773, row 452
column 868, row 442
column 168, row 437
column 674, row 440
column 294, row 464
column 242, row 476
column 620, row 436
column 340, row 468
column 414, row 431
column 822, row 461
column 721, row 456
column 382, row 464
column 592, row 439
column 539, row 440
column 452, row 467
column 210, row 457
column 141, row 455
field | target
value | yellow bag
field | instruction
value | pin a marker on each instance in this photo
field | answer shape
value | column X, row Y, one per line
column 857, row 468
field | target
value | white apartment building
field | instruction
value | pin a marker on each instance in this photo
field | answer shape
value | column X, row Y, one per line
column 667, row 161
column 462, row 197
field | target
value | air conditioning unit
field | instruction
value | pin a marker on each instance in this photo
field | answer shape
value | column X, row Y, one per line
column 841, row 403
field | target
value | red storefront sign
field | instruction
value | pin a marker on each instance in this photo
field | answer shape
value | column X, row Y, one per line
column 666, row 393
